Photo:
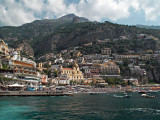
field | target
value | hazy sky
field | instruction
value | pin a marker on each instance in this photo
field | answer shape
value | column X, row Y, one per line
column 18, row 12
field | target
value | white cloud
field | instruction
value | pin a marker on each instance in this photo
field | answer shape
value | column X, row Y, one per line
column 13, row 13
column 98, row 9
column 151, row 9
column 17, row 12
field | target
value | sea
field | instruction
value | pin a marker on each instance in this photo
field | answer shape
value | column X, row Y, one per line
column 81, row 107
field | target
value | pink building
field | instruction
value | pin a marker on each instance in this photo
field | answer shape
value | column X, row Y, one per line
column 106, row 51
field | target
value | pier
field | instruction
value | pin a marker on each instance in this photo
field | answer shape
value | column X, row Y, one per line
column 33, row 93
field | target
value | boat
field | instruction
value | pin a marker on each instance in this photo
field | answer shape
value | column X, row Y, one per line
column 122, row 96
column 150, row 96
column 126, row 96
column 147, row 96
column 118, row 96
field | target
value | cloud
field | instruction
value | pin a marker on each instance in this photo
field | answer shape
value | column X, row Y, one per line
column 111, row 9
column 18, row 12
column 13, row 13
column 151, row 9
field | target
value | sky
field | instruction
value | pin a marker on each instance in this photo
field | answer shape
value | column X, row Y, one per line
column 130, row 12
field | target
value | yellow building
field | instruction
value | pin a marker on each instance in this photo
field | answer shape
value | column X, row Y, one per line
column 76, row 54
column 4, row 51
column 72, row 73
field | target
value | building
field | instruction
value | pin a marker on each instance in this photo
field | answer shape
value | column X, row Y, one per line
column 88, row 81
column 62, row 81
column 88, row 44
column 59, row 60
column 123, row 37
column 93, row 57
column 22, row 65
column 76, row 54
column 4, row 51
column 146, row 57
column 106, row 51
column 44, row 79
column 109, row 68
column 80, row 60
column 118, row 57
column 98, row 80
column 103, row 41
column 131, row 81
column 90, row 71
column 73, row 73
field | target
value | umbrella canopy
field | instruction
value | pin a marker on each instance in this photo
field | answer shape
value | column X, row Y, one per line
column 15, row 85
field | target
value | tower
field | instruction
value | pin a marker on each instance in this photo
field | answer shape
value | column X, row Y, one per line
column 75, row 66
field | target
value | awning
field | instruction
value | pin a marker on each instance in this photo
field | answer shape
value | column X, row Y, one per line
column 15, row 85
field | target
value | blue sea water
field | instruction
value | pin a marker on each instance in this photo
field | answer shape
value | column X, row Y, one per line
column 81, row 107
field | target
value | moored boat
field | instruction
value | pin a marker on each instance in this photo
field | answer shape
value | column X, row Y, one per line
column 147, row 96
column 126, row 96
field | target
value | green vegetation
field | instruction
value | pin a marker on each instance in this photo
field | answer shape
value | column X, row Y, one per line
column 47, row 72
column 124, row 68
column 113, row 81
column 56, row 73
column 6, row 80
column 4, row 67
column 52, row 36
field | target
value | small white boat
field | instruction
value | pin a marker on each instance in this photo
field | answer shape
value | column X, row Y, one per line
column 143, row 95
column 147, row 96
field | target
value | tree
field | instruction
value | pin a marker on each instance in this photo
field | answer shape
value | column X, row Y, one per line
column 48, row 72
column 55, row 73
column 113, row 81
column 123, row 83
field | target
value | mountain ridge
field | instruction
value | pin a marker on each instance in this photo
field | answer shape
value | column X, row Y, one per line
column 148, row 27
column 52, row 36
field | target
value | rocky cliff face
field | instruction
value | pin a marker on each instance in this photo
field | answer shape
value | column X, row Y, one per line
column 25, row 49
column 153, row 75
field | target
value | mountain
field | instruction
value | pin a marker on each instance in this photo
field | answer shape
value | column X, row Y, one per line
column 72, row 18
column 149, row 27
column 52, row 36
column 37, row 28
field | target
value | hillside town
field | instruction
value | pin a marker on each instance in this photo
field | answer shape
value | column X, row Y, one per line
column 79, row 60
column 72, row 68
